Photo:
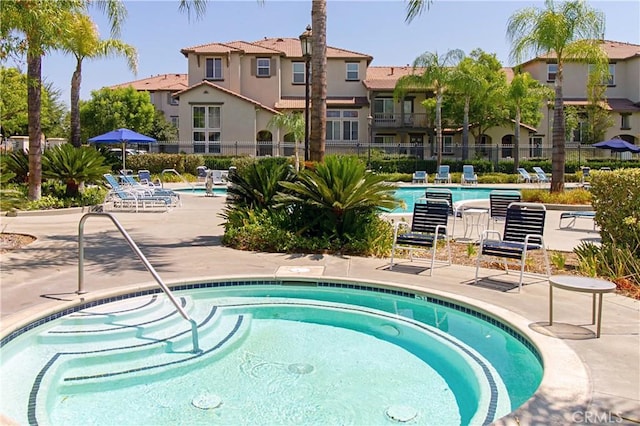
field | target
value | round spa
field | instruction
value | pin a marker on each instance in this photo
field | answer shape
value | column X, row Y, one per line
column 269, row 352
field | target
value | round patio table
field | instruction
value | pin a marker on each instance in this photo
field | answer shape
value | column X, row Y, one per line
column 581, row 285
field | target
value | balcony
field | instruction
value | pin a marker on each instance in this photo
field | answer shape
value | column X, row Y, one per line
column 400, row 121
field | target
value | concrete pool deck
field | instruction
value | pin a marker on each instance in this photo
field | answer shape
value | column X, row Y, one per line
column 587, row 380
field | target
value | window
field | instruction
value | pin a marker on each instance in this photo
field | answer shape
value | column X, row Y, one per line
column 175, row 120
column 447, row 144
column 610, row 79
column 263, row 67
column 552, row 70
column 342, row 125
column 206, row 129
column 353, row 71
column 535, row 146
column 383, row 111
column 213, row 69
column 625, row 121
column 298, row 72
column 171, row 100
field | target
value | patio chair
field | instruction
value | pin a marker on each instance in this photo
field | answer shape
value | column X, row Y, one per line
column 524, row 175
column 468, row 175
column 499, row 201
column 541, row 175
column 130, row 184
column 523, row 229
column 419, row 176
column 573, row 215
column 586, row 174
column 201, row 172
column 123, row 199
column 443, row 175
column 144, row 176
column 428, row 226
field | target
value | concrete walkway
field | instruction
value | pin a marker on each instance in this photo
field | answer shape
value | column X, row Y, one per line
column 585, row 378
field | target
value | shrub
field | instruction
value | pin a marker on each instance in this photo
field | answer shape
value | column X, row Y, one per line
column 572, row 196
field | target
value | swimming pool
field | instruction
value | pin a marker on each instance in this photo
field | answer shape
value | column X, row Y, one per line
column 274, row 351
column 407, row 194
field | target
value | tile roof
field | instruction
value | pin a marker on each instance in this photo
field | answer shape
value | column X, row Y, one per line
column 289, row 47
column 612, row 104
column 615, row 50
column 385, row 78
column 229, row 92
column 168, row 82
column 295, row 102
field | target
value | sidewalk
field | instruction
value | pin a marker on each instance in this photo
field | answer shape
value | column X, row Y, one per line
column 184, row 244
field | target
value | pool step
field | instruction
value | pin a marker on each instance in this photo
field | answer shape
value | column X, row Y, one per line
column 103, row 328
column 124, row 310
column 158, row 361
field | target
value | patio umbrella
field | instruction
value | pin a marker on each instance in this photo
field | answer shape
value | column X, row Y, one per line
column 122, row 136
column 617, row 145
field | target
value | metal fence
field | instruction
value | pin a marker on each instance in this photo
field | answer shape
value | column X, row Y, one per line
column 573, row 151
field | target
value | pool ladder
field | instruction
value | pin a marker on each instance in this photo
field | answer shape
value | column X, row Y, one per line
column 145, row 262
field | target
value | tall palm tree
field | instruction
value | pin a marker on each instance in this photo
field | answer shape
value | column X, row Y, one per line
column 432, row 72
column 416, row 7
column 83, row 42
column 318, row 136
column 467, row 82
column 36, row 27
column 569, row 31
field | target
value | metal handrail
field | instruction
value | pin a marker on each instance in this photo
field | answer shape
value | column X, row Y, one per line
column 174, row 171
column 145, row 262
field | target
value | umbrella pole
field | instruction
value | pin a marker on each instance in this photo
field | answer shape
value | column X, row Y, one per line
column 124, row 145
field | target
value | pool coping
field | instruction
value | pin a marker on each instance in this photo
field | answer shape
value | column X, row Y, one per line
column 565, row 384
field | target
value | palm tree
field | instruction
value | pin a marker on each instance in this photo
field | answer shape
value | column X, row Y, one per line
column 416, row 7
column 523, row 88
column 292, row 123
column 35, row 26
column 74, row 166
column 432, row 72
column 317, row 136
column 569, row 32
column 84, row 42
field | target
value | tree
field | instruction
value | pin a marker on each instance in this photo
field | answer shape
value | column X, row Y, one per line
column 317, row 136
column 569, row 32
column 598, row 117
column 111, row 109
column 466, row 82
column 524, row 90
column 13, row 106
column 293, row 124
column 416, row 7
column 431, row 72
column 162, row 130
column 83, row 42
column 35, row 27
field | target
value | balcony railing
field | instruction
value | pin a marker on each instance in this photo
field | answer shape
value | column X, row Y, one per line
column 399, row 120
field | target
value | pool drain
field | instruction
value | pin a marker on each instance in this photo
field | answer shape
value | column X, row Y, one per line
column 300, row 368
column 206, row 401
column 401, row 413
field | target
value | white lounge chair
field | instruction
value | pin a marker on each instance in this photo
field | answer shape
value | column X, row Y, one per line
column 420, row 176
column 443, row 175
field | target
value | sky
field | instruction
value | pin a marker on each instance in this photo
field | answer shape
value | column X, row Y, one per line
column 378, row 28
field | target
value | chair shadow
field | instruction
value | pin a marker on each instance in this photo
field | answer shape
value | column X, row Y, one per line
column 405, row 269
column 494, row 284
column 57, row 296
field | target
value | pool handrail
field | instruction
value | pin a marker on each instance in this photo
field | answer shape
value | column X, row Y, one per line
column 145, row 262
column 175, row 172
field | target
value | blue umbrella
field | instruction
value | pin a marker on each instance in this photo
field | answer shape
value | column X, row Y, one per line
column 122, row 136
column 617, row 145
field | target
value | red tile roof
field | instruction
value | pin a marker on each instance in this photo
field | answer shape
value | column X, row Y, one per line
column 612, row 104
column 229, row 92
column 615, row 50
column 289, row 47
column 295, row 102
column 160, row 82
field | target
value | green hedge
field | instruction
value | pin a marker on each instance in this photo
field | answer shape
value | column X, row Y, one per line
column 156, row 163
column 616, row 200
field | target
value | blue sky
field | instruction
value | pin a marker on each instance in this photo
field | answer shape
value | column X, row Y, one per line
column 378, row 28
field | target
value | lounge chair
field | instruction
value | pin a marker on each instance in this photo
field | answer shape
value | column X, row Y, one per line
column 523, row 229
column 419, row 176
column 201, row 172
column 443, row 175
column 524, row 175
column 468, row 175
column 130, row 184
column 499, row 201
column 122, row 199
column 572, row 216
column 586, row 174
column 144, row 176
column 428, row 226
column 541, row 175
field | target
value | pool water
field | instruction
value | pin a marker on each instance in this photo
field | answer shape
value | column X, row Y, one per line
column 272, row 354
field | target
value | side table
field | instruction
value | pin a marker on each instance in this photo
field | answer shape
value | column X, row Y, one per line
column 581, row 285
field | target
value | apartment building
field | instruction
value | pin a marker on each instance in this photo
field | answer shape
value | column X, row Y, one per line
column 232, row 90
